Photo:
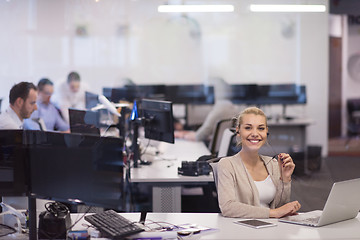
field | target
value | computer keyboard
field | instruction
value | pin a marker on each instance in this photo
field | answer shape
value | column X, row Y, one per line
column 112, row 225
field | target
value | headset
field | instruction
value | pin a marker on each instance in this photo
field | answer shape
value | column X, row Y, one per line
column 57, row 208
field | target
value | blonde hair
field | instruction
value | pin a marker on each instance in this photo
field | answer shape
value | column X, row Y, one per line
column 239, row 119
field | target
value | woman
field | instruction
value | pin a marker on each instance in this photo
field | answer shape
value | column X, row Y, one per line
column 251, row 185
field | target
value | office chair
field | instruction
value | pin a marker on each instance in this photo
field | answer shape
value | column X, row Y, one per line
column 213, row 163
column 353, row 123
column 218, row 133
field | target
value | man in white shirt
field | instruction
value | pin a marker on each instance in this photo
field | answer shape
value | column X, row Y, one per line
column 70, row 94
column 22, row 100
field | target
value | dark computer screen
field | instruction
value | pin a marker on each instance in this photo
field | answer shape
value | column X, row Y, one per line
column 76, row 168
column 91, row 100
column 242, row 93
column 127, row 93
column 159, row 122
column 84, row 121
column 190, row 94
column 285, row 94
column 151, row 91
column 14, row 179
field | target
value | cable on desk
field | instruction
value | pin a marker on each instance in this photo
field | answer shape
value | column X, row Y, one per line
column 161, row 227
column 3, row 226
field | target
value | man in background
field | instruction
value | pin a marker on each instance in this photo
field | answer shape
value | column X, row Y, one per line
column 47, row 116
column 22, row 99
column 222, row 109
column 70, row 94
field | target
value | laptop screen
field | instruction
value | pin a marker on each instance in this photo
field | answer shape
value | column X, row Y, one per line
column 85, row 122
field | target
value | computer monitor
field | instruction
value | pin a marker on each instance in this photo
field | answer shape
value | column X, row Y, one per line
column 91, row 100
column 14, row 179
column 151, row 91
column 127, row 93
column 285, row 94
column 242, row 93
column 190, row 94
column 84, row 121
column 158, row 120
column 76, row 168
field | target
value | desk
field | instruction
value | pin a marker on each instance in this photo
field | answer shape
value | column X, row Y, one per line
column 349, row 229
column 163, row 177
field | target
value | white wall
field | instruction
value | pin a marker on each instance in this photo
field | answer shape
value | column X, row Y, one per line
column 131, row 39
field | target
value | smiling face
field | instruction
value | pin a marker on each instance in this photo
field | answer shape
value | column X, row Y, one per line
column 253, row 131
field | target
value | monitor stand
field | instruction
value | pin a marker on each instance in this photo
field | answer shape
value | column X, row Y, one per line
column 284, row 116
column 32, row 217
column 135, row 145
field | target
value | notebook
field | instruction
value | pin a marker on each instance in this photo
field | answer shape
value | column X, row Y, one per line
column 343, row 203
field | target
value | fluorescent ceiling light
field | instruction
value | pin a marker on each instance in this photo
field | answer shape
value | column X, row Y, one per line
column 196, row 8
column 287, row 8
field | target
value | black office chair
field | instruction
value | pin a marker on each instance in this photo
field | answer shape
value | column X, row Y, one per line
column 218, row 133
column 353, row 122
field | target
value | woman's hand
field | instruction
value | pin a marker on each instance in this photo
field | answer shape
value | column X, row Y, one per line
column 286, row 166
column 290, row 208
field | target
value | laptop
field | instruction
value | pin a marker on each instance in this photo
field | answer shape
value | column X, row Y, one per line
column 343, row 203
column 85, row 122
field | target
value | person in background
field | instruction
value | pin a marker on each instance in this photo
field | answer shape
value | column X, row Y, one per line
column 222, row 109
column 46, row 112
column 70, row 94
column 251, row 185
column 22, row 99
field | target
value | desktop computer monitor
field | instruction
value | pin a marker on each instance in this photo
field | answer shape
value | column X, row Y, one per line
column 127, row 93
column 76, row 168
column 190, row 94
column 151, row 91
column 242, row 93
column 158, row 118
column 14, row 179
column 84, row 121
column 285, row 94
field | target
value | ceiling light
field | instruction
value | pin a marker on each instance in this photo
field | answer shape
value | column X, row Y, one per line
column 196, row 8
column 287, row 8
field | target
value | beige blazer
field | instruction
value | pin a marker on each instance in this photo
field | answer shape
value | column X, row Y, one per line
column 237, row 192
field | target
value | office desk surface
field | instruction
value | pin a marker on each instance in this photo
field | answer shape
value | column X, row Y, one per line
column 163, row 175
column 226, row 229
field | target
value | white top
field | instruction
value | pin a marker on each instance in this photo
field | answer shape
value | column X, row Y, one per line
column 10, row 120
column 266, row 190
column 223, row 109
column 64, row 98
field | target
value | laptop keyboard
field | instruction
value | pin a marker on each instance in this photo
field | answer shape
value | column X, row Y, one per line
column 311, row 220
